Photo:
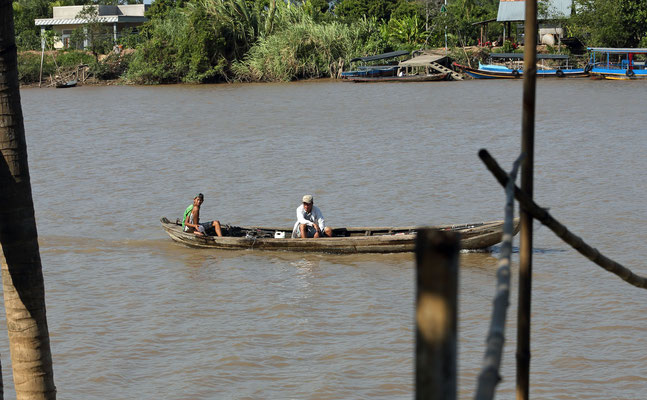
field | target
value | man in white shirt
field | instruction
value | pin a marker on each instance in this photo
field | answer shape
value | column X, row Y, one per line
column 310, row 221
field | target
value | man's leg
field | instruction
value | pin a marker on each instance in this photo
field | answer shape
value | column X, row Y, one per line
column 216, row 226
column 303, row 228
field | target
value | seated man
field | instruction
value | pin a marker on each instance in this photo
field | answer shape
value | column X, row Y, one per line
column 310, row 221
column 191, row 219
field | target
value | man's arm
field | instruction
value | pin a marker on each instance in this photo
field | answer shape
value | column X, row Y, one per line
column 320, row 219
column 195, row 215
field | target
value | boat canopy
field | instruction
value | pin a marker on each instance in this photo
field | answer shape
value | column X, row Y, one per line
column 382, row 56
column 422, row 60
column 612, row 50
column 519, row 56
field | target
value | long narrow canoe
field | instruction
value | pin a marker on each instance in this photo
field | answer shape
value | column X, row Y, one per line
column 406, row 78
column 477, row 236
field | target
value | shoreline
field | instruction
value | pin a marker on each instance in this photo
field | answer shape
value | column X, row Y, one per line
column 123, row 82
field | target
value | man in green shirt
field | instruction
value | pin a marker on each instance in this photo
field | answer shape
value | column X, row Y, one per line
column 191, row 219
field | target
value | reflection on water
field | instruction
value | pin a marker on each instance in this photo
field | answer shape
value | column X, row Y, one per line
column 166, row 321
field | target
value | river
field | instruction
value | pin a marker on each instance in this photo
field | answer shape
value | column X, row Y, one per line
column 133, row 315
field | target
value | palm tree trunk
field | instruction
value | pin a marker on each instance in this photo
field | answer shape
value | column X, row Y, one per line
column 22, row 274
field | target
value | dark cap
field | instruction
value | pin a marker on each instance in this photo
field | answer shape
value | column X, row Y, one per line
column 199, row 196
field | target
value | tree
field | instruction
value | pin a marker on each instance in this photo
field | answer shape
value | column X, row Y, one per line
column 96, row 33
column 613, row 23
column 22, row 273
column 353, row 10
column 461, row 14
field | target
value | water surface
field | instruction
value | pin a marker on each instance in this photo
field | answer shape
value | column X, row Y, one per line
column 133, row 315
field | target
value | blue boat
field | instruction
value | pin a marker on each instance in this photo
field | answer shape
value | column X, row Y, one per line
column 371, row 71
column 616, row 63
column 510, row 66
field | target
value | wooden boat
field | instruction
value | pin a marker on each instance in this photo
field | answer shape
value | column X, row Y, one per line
column 371, row 72
column 68, row 84
column 405, row 78
column 477, row 236
column 622, row 67
column 514, row 68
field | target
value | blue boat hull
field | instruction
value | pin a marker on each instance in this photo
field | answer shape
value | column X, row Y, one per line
column 495, row 72
column 619, row 74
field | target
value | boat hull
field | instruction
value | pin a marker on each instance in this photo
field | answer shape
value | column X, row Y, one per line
column 371, row 72
column 620, row 74
column 408, row 78
column 479, row 236
column 517, row 74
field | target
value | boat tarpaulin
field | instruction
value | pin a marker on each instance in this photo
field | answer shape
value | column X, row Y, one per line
column 376, row 57
column 422, row 60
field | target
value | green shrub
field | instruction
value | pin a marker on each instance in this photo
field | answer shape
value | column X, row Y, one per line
column 186, row 46
column 72, row 58
column 111, row 67
column 29, row 67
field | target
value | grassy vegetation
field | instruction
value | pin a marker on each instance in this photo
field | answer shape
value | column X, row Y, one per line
column 306, row 49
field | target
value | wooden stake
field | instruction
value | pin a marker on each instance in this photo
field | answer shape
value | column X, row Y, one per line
column 525, row 248
column 436, row 321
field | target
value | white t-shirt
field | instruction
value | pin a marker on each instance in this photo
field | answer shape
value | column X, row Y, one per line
column 309, row 219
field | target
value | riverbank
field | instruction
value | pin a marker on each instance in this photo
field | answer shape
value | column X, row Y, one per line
column 114, row 69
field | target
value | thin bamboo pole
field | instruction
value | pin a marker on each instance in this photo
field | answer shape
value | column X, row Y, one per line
column 42, row 57
column 436, row 314
column 561, row 231
column 489, row 377
column 525, row 248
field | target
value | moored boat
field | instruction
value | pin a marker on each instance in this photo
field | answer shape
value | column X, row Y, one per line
column 617, row 63
column 388, row 69
column 510, row 66
column 476, row 236
column 67, row 84
column 404, row 78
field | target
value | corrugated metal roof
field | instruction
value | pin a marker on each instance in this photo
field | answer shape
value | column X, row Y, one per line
column 79, row 21
column 515, row 10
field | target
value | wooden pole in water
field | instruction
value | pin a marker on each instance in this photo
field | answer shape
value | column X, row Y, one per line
column 436, row 320
column 42, row 55
column 525, row 249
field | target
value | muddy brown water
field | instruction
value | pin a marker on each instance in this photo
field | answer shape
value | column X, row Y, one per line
column 133, row 315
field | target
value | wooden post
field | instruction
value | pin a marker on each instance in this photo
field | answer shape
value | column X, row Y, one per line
column 525, row 248
column 42, row 55
column 436, row 310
